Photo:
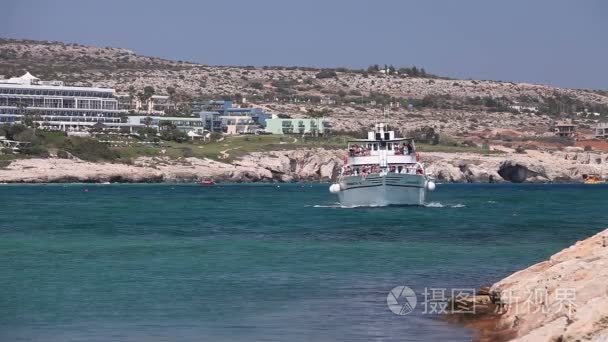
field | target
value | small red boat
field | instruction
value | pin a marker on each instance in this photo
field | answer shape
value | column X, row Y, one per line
column 207, row 182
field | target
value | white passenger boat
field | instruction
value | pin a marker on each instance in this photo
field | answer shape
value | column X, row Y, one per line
column 382, row 170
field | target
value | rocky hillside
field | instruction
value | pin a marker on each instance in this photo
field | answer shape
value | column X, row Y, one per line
column 354, row 98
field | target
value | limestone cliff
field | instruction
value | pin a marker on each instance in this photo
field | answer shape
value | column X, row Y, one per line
column 311, row 165
column 279, row 166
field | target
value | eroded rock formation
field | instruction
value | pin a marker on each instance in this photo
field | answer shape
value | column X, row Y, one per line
column 311, row 165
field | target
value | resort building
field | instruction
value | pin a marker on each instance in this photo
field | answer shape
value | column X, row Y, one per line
column 297, row 126
column 565, row 129
column 218, row 115
column 186, row 124
column 240, row 125
column 601, row 130
column 52, row 105
column 155, row 105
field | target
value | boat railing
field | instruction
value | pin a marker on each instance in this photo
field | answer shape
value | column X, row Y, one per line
column 365, row 170
column 359, row 152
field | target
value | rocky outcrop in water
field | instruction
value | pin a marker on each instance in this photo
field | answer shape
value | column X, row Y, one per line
column 516, row 173
column 562, row 299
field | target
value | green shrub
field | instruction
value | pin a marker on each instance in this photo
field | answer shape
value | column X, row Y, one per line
column 425, row 134
column 327, row 73
column 174, row 135
column 257, row 85
column 215, row 136
column 5, row 163
column 35, row 150
column 147, row 132
column 63, row 154
column 187, row 152
column 12, row 131
column 90, row 149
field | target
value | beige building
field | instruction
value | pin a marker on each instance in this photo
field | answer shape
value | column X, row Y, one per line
column 565, row 129
column 601, row 130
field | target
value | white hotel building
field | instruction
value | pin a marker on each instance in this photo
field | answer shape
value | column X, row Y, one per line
column 55, row 106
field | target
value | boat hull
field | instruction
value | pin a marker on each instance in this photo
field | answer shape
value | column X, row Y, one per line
column 383, row 190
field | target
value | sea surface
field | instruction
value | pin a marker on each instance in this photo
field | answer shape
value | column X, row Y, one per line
column 88, row 262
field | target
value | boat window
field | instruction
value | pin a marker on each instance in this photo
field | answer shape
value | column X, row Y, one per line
column 389, row 146
column 375, row 147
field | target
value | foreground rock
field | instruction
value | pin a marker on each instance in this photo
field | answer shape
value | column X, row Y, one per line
column 562, row 299
column 311, row 165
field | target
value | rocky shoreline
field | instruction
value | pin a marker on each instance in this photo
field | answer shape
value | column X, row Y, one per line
column 562, row 299
column 310, row 165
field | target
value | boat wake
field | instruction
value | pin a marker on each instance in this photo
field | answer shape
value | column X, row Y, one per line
column 428, row 205
column 327, row 206
column 339, row 206
column 440, row 205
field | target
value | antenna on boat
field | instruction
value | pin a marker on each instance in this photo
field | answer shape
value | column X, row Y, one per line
column 385, row 112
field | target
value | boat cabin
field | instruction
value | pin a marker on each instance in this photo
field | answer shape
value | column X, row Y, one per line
column 383, row 151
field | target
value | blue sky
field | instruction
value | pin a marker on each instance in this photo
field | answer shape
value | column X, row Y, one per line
column 557, row 42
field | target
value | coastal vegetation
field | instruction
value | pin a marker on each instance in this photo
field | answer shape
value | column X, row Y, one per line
column 127, row 147
column 39, row 143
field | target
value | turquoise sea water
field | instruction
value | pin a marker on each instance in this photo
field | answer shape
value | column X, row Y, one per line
column 262, row 262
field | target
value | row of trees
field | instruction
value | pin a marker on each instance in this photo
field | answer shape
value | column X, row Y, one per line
column 181, row 100
column 143, row 96
column 391, row 70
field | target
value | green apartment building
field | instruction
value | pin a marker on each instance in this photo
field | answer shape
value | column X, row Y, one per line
column 297, row 126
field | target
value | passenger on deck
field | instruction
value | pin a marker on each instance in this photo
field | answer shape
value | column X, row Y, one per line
column 410, row 148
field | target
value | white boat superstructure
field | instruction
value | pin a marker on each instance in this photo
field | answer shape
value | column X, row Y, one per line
column 382, row 170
